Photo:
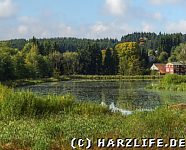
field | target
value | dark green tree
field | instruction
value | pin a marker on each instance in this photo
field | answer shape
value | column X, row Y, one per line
column 108, row 62
column 163, row 57
column 95, row 65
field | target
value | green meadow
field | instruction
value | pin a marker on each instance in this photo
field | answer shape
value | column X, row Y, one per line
column 29, row 121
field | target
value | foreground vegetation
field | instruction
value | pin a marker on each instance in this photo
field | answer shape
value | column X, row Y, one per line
column 171, row 82
column 29, row 121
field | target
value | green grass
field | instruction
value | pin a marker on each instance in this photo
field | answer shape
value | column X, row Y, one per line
column 29, row 121
column 115, row 77
column 171, row 82
column 174, row 79
column 58, row 130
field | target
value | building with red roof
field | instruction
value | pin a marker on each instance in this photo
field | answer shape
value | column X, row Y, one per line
column 169, row 68
column 159, row 68
column 176, row 68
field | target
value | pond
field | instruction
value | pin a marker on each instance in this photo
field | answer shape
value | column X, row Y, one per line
column 125, row 95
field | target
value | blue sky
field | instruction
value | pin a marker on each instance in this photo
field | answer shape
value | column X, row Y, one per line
column 89, row 18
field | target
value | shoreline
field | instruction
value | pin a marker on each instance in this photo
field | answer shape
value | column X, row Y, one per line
column 25, row 82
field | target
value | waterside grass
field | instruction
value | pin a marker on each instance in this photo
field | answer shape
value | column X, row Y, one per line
column 115, row 77
column 25, row 82
column 29, row 121
column 171, row 82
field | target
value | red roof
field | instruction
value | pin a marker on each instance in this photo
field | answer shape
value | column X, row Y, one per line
column 161, row 68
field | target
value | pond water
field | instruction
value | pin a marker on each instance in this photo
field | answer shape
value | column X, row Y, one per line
column 125, row 95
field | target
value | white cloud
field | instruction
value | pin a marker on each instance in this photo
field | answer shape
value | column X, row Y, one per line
column 116, row 7
column 158, row 16
column 30, row 26
column 99, row 28
column 27, row 19
column 179, row 26
column 7, row 8
column 40, row 27
column 22, row 29
column 110, row 30
column 147, row 27
column 163, row 2
column 64, row 30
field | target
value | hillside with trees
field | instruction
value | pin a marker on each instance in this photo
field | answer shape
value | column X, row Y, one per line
column 40, row 58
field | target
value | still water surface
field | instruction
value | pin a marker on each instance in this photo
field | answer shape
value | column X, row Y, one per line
column 125, row 95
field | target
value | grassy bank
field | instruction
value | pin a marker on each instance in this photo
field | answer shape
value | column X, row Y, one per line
column 29, row 121
column 114, row 77
column 171, row 82
column 25, row 82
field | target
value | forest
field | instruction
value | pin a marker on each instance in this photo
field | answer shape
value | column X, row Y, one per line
column 42, row 58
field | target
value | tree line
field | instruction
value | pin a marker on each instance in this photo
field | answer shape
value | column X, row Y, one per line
column 40, row 58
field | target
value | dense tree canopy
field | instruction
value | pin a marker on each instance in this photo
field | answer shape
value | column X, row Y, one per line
column 129, row 58
column 38, row 58
column 179, row 54
column 70, row 63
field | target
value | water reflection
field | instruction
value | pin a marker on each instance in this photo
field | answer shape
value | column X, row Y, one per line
column 125, row 95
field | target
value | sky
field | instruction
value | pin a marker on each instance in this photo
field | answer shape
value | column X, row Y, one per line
column 89, row 18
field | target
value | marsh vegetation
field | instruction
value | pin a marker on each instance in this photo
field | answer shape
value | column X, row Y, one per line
column 32, row 121
column 171, row 82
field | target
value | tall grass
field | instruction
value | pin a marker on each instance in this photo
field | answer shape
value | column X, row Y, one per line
column 15, row 104
column 29, row 121
column 171, row 82
column 58, row 130
column 173, row 79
